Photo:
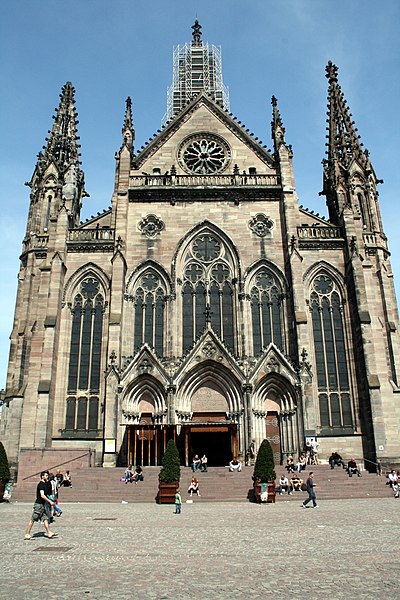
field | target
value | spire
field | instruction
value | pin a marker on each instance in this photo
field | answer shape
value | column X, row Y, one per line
column 343, row 141
column 128, row 132
column 278, row 130
column 60, row 156
column 197, row 68
column 196, row 34
column 349, row 181
column 62, row 145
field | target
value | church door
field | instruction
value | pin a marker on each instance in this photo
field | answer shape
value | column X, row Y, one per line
column 272, row 433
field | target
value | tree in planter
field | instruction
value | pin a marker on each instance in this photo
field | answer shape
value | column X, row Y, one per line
column 171, row 465
column 4, row 468
column 264, row 468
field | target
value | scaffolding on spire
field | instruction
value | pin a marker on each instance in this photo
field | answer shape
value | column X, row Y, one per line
column 197, row 67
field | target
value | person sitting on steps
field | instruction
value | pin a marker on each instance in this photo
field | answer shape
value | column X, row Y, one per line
column 284, row 485
column 392, row 478
column 235, row 465
column 290, row 466
column 296, row 483
column 196, row 463
column 204, row 464
column 352, row 468
column 128, row 475
column 301, row 465
column 193, row 486
column 336, row 459
column 138, row 474
column 67, row 480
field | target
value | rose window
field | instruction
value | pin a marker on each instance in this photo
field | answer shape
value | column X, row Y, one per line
column 204, row 154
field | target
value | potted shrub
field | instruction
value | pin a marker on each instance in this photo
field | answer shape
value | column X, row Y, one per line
column 169, row 475
column 264, row 473
column 4, row 471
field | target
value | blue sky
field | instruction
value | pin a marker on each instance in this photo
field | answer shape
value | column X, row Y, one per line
column 112, row 49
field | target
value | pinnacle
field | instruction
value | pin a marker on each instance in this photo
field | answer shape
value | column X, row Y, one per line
column 278, row 130
column 343, row 140
column 128, row 132
column 331, row 72
column 196, row 34
column 62, row 143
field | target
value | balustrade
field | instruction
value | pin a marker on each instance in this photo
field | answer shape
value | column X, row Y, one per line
column 311, row 232
column 91, row 235
column 202, row 180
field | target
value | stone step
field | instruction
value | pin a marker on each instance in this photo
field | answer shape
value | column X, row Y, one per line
column 217, row 485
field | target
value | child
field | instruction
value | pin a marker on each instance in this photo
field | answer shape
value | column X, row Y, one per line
column 178, row 502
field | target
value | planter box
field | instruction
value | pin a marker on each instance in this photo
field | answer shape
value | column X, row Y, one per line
column 271, row 491
column 166, row 492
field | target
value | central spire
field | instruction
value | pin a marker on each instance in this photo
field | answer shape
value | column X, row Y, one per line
column 197, row 67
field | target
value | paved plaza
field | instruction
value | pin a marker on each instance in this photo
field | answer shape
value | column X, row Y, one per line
column 345, row 549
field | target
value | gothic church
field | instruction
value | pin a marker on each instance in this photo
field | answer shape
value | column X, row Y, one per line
column 205, row 305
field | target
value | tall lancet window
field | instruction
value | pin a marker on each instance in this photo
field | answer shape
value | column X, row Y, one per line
column 85, row 358
column 149, row 307
column 330, row 354
column 266, row 311
column 208, row 291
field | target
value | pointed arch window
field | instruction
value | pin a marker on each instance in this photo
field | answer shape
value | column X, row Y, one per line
column 149, row 308
column 266, row 312
column 208, row 291
column 85, row 358
column 326, row 307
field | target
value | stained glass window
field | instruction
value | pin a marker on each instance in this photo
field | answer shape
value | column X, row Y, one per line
column 266, row 312
column 208, row 291
column 85, row 354
column 149, row 308
column 330, row 354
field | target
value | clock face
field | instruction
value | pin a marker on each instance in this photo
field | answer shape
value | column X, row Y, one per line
column 204, row 154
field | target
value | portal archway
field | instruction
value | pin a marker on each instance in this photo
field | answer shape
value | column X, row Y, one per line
column 276, row 397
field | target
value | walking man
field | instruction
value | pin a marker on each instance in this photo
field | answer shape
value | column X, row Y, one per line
column 39, row 513
column 310, row 485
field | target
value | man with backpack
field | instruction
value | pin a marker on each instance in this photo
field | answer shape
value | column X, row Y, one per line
column 310, row 485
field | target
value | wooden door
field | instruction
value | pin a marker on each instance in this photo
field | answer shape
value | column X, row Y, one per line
column 272, row 433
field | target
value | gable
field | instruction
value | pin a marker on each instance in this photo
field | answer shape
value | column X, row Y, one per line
column 204, row 119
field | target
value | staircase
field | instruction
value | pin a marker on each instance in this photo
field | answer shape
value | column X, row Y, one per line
column 217, row 485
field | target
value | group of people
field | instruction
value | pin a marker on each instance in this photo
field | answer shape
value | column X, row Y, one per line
column 46, row 505
column 335, row 460
column 133, row 475
column 294, row 484
column 300, row 465
column 199, row 464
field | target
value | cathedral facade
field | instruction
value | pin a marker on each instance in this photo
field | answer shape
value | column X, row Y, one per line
column 205, row 305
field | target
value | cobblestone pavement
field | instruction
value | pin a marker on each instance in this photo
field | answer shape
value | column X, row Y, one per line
column 344, row 549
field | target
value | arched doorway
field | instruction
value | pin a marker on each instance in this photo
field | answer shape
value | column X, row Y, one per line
column 275, row 397
column 210, row 431
column 146, row 437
